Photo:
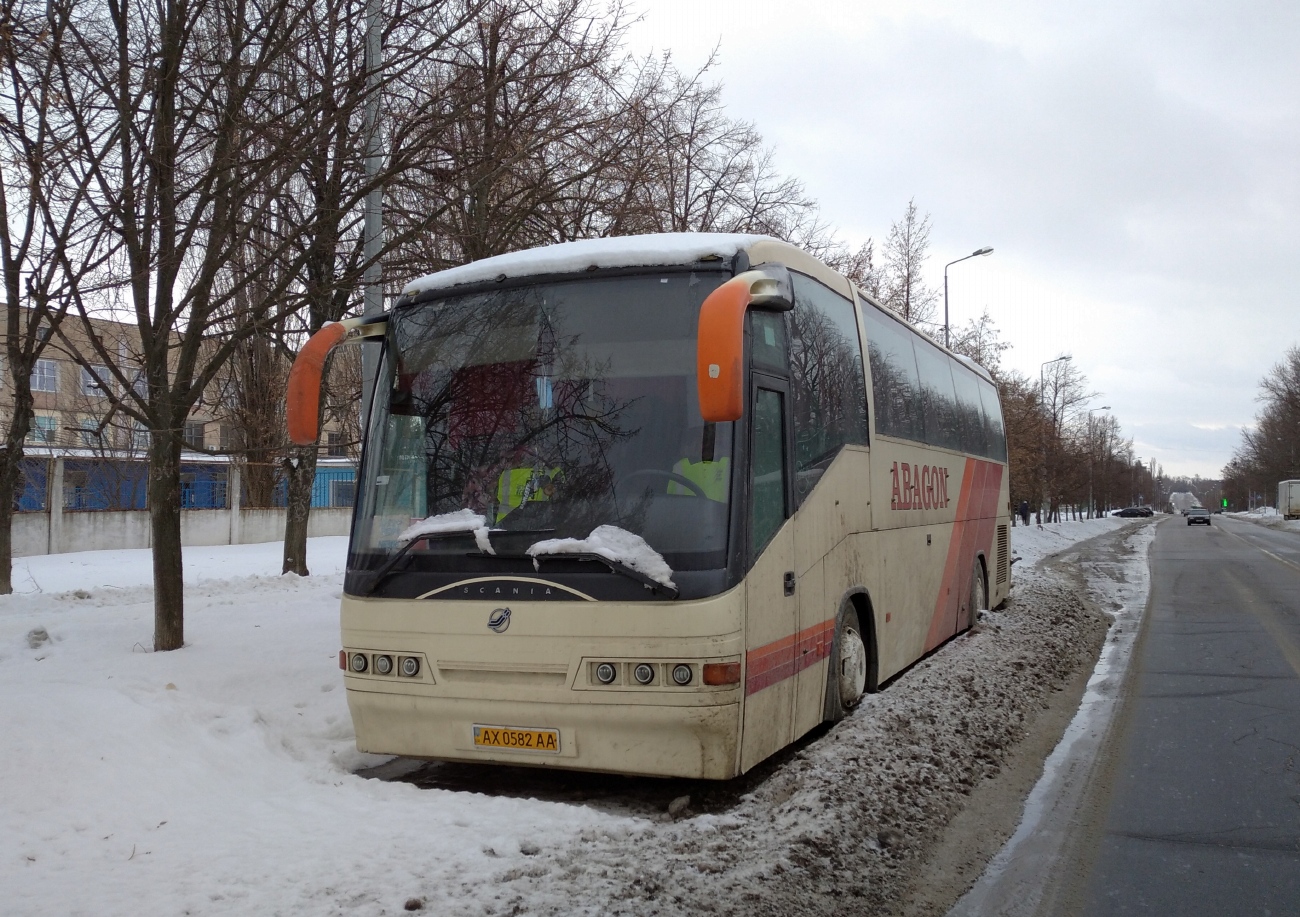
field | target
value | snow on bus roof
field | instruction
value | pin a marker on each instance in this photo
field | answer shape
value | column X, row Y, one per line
column 617, row 251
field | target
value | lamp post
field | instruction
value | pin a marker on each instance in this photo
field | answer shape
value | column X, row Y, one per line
column 1041, row 387
column 1104, row 407
column 372, row 226
column 974, row 254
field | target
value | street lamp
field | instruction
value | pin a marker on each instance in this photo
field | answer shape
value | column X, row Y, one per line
column 974, row 254
column 1041, row 387
column 1104, row 407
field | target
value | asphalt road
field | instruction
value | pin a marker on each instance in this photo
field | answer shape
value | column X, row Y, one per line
column 1197, row 809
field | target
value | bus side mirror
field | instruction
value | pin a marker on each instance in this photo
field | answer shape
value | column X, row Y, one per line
column 302, row 397
column 720, row 345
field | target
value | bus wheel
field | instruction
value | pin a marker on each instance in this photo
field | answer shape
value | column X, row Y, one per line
column 847, row 679
column 979, row 596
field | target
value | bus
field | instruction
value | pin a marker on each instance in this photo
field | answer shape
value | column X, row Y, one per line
column 653, row 505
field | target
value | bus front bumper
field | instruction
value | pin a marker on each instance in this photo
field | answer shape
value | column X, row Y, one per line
column 662, row 741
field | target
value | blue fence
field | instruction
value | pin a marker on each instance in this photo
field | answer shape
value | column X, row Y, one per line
column 33, row 486
column 98, row 484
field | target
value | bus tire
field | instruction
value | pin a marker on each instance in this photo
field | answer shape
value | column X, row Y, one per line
column 846, row 676
column 978, row 596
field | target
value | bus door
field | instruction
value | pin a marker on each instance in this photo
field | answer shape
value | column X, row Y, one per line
column 771, row 600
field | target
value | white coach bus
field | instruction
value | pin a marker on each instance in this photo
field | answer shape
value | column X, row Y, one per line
column 653, row 505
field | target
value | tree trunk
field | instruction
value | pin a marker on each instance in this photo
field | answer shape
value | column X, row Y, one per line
column 165, row 526
column 10, row 471
column 9, row 467
column 300, row 470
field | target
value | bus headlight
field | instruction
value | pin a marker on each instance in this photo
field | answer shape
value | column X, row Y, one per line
column 410, row 667
column 644, row 673
column 384, row 665
column 682, row 674
column 605, row 673
column 359, row 662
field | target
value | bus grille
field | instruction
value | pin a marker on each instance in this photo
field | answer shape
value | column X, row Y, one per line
column 1004, row 555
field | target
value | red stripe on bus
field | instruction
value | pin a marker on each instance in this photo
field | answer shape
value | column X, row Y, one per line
column 976, row 517
column 781, row 659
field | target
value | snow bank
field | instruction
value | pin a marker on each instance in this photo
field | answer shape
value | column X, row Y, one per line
column 611, row 543
column 1031, row 543
column 463, row 520
column 1269, row 516
column 622, row 251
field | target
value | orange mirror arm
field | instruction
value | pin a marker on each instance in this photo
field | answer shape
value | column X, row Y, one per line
column 302, row 400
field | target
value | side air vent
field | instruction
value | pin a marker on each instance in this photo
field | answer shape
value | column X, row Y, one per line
column 1004, row 555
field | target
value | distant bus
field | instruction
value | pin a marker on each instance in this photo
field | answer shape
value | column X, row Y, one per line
column 653, row 505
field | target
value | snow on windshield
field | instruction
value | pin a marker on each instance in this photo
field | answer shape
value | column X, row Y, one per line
column 611, row 543
column 464, row 520
column 627, row 251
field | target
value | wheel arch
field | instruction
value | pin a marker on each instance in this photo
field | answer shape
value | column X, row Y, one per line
column 857, row 598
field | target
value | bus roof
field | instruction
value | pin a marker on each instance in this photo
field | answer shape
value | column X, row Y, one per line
column 567, row 257
column 653, row 249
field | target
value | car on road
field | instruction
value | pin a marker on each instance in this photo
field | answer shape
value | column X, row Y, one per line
column 1198, row 515
column 1133, row 511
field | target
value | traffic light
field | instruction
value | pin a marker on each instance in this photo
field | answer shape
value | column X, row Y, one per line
column 1225, row 502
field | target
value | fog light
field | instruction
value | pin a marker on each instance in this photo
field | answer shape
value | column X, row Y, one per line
column 644, row 674
column 359, row 662
column 605, row 673
column 410, row 667
column 384, row 664
column 682, row 674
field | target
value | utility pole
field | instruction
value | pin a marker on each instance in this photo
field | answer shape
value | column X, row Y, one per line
column 372, row 279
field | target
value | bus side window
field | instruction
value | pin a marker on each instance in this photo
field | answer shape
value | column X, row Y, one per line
column 827, row 385
column 894, row 379
column 768, row 469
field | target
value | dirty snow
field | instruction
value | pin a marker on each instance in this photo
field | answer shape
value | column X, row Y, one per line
column 611, row 543
column 623, row 251
column 222, row 778
column 464, row 520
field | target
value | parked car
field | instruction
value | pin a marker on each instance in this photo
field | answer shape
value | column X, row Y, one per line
column 1198, row 515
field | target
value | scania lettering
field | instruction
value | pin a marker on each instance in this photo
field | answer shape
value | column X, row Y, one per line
column 653, row 505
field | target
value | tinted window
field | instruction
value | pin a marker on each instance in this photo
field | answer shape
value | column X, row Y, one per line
column 939, row 412
column 768, row 469
column 767, row 330
column 995, row 434
column 970, row 413
column 894, row 380
column 830, row 392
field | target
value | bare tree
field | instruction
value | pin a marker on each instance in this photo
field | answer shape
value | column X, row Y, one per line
column 1063, row 392
column 51, row 241
column 325, row 199
column 906, row 248
column 1270, row 449
column 193, row 95
column 980, row 340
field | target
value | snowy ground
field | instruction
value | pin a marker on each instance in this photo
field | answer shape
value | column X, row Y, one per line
column 221, row 779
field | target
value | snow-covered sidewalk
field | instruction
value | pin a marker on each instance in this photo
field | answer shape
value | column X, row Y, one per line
column 220, row 779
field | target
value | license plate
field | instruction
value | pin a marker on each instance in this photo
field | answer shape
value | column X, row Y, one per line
column 547, row 740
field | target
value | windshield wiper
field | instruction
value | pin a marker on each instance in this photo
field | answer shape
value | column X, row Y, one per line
column 614, row 566
column 390, row 565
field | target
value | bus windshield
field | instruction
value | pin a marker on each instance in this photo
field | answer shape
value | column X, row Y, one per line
column 549, row 410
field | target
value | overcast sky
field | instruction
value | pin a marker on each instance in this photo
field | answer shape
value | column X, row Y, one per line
column 1135, row 166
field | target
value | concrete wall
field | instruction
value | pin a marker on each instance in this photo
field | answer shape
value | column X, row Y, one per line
column 104, row 531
